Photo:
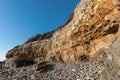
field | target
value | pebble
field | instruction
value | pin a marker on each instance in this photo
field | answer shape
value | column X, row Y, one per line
column 73, row 70
column 32, row 77
column 58, row 71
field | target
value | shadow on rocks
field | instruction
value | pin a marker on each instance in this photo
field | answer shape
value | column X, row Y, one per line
column 13, row 63
column 49, row 67
column 0, row 65
column 23, row 63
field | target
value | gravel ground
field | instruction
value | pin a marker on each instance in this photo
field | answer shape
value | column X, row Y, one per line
column 54, row 71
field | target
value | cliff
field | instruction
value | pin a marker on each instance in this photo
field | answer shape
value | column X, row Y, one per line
column 91, row 34
column 93, row 25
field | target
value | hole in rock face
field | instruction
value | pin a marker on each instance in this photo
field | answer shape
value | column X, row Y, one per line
column 84, row 58
column 113, row 29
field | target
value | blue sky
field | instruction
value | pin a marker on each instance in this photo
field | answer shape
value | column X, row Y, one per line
column 22, row 19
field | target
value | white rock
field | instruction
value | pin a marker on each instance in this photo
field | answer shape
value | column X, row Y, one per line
column 73, row 70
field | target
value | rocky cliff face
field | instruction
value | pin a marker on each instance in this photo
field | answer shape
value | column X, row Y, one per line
column 93, row 25
column 91, row 34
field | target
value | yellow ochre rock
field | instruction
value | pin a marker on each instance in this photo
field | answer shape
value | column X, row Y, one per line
column 93, row 25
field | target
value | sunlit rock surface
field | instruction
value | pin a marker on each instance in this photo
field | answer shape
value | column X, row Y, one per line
column 91, row 34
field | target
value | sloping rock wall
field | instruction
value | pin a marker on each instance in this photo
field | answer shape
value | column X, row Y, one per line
column 93, row 25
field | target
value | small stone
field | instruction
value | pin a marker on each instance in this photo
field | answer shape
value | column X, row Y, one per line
column 73, row 70
column 32, row 77
column 22, row 70
column 119, row 72
column 57, row 72
column 110, row 57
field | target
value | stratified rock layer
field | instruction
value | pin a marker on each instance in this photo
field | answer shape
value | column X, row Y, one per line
column 92, row 33
column 94, row 24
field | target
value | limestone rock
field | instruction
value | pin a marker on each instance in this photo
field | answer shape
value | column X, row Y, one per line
column 92, row 33
column 93, row 26
column 40, row 66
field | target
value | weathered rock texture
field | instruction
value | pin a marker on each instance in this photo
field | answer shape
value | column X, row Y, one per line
column 92, row 33
column 94, row 24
